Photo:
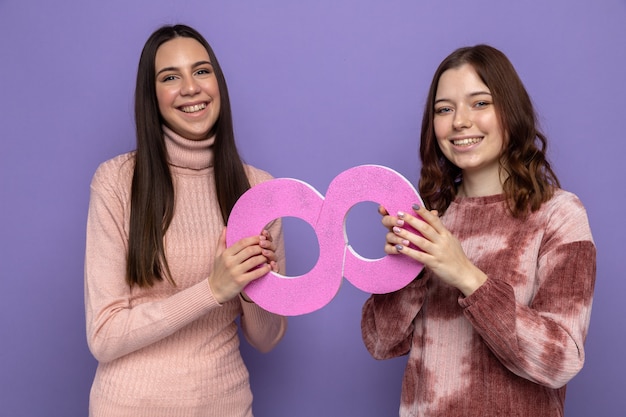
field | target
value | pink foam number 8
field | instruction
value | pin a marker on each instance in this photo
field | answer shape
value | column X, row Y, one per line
column 285, row 197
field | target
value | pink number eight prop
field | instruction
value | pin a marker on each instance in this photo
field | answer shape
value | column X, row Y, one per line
column 285, row 197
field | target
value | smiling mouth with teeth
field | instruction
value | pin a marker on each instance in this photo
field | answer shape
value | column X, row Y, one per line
column 466, row 142
column 193, row 109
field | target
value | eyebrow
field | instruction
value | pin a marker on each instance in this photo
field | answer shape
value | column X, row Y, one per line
column 195, row 65
column 474, row 94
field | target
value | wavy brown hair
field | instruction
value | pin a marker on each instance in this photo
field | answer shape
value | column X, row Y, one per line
column 152, row 192
column 530, row 181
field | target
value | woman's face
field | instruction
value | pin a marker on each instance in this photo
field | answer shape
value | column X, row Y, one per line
column 186, row 88
column 466, row 124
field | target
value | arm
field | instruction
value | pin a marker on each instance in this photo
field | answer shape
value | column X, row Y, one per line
column 387, row 320
column 115, row 327
column 262, row 329
column 542, row 342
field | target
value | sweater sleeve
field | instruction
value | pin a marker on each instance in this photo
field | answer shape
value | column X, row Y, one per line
column 262, row 329
column 543, row 341
column 387, row 320
column 115, row 327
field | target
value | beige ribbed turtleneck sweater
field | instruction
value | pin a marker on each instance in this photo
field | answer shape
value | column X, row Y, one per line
column 168, row 351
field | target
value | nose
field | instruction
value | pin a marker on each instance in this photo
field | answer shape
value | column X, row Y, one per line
column 190, row 87
column 462, row 119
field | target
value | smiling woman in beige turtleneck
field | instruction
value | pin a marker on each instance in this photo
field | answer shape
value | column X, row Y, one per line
column 167, row 343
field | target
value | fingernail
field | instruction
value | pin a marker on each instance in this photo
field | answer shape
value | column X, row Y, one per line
column 400, row 222
column 399, row 248
column 396, row 229
column 416, row 207
column 405, row 242
column 401, row 214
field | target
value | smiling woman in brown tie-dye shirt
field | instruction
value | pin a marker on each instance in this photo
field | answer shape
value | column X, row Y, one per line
column 495, row 324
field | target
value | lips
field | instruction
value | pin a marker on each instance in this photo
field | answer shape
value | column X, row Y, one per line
column 193, row 109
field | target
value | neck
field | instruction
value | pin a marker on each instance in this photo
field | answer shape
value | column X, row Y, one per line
column 186, row 153
column 481, row 185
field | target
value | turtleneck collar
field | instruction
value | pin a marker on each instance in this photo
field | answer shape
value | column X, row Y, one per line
column 186, row 153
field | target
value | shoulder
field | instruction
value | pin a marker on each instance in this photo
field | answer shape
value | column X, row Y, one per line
column 564, row 203
column 256, row 175
column 115, row 172
column 566, row 214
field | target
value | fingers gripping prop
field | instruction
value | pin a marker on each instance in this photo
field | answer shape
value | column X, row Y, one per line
column 285, row 197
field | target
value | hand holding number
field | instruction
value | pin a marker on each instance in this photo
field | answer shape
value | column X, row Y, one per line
column 439, row 250
column 246, row 260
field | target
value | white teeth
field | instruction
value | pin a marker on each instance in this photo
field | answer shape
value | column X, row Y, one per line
column 466, row 142
column 193, row 109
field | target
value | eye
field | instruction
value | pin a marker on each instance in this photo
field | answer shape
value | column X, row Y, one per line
column 204, row 71
column 443, row 110
column 482, row 103
column 168, row 78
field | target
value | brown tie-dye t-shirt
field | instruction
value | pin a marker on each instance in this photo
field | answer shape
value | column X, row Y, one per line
column 510, row 347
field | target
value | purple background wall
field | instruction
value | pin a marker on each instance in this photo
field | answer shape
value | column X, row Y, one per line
column 317, row 87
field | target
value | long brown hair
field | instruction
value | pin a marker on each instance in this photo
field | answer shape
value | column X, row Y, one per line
column 152, row 192
column 531, row 181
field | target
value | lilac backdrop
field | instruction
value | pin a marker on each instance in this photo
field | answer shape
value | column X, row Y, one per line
column 316, row 87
